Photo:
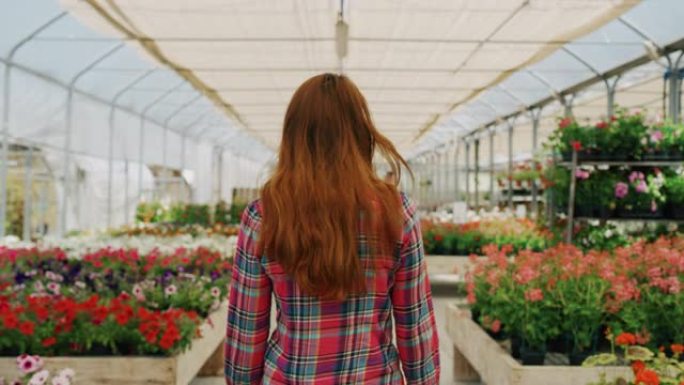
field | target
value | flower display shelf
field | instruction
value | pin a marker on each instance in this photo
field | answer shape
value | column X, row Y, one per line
column 576, row 162
column 478, row 357
column 204, row 355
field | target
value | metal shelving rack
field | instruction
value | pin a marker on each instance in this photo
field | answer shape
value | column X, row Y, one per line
column 572, row 165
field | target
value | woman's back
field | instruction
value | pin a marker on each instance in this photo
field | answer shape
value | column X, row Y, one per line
column 340, row 251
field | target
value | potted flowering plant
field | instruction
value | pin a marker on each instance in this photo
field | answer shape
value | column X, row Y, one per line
column 664, row 142
column 648, row 367
column 674, row 187
column 626, row 133
column 640, row 195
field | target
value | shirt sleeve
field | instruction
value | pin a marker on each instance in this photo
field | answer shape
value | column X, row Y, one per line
column 249, row 308
column 414, row 316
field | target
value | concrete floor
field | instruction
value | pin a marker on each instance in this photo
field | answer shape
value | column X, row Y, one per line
column 442, row 297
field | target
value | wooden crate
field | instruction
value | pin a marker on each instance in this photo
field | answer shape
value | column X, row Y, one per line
column 131, row 370
column 478, row 357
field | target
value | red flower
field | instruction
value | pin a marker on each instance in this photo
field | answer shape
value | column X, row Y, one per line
column 27, row 328
column 601, row 125
column 438, row 238
column 576, row 145
column 49, row 342
column 564, row 123
column 647, row 377
column 11, row 321
column 638, row 366
column 677, row 348
column 625, row 339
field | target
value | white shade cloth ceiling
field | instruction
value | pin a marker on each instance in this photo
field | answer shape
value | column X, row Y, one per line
column 419, row 63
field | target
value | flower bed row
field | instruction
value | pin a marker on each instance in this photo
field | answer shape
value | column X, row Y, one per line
column 472, row 237
column 187, row 214
column 622, row 137
column 568, row 298
column 111, row 301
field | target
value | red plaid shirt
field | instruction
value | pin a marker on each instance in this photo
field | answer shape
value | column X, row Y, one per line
column 331, row 342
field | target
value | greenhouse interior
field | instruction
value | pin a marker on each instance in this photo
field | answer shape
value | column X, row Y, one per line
column 545, row 150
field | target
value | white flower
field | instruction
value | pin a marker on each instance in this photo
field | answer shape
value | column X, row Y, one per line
column 38, row 286
column 80, row 284
column 39, row 378
column 215, row 292
column 67, row 372
column 609, row 233
column 61, row 380
column 170, row 290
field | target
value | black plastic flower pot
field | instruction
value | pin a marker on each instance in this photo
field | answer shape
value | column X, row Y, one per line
column 584, row 210
column 675, row 211
column 675, row 155
column 577, row 358
column 532, row 356
column 516, row 344
column 558, row 344
column 640, row 213
column 656, row 155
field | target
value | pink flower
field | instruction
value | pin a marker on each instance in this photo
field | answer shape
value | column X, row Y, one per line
column 67, row 372
column 138, row 292
column 170, row 290
column 654, row 206
column 215, row 292
column 656, row 136
column 29, row 364
column 635, row 176
column 53, row 287
column 641, row 187
column 582, row 174
column 525, row 275
column 534, row 295
column 621, row 190
column 496, row 326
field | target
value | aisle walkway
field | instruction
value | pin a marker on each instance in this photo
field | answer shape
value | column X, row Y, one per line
column 442, row 297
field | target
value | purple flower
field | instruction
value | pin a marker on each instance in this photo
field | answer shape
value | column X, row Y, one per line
column 621, row 190
column 215, row 275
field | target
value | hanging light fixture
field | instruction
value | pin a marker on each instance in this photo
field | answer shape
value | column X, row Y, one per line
column 341, row 37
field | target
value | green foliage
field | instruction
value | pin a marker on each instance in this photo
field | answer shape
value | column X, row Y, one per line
column 674, row 187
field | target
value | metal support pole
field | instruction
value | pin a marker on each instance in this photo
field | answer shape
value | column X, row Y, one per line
column 675, row 90
column 492, row 174
column 467, row 172
column 141, row 155
column 127, row 200
column 477, row 174
column 7, row 97
column 457, row 171
column 611, row 87
column 535, row 116
column 28, row 196
column 68, row 128
column 112, row 116
column 510, row 166
column 567, row 103
column 141, row 147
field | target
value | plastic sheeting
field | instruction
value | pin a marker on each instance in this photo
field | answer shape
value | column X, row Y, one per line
column 414, row 60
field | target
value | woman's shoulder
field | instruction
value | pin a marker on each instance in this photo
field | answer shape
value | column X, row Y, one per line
column 252, row 213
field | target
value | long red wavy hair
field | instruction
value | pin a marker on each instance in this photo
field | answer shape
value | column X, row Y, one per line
column 324, row 190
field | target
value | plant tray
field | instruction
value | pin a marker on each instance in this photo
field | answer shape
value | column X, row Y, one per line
column 478, row 357
column 142, row 370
